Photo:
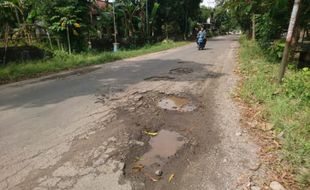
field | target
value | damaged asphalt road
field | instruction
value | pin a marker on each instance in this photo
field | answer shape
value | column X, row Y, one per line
column 160, row 121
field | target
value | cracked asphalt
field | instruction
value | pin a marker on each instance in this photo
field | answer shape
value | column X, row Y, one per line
column 87, row 130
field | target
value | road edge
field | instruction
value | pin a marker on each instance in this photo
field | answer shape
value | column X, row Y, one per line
column 75, row 71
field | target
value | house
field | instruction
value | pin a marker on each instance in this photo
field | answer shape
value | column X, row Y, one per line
column 99, row 5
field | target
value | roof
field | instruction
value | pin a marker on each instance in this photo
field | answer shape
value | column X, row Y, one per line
column 99, row 5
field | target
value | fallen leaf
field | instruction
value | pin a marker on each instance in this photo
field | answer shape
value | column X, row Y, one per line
column 138, row 167
column 151, row 133
column 276, row 143
column 171, row 178
column 151, row 177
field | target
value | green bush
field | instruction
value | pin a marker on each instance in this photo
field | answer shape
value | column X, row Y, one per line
column 297, row 85
column 276, row 49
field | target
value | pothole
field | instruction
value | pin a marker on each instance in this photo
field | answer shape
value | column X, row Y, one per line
column 158, row 78
column 163, row 146
column 175, row 103
column 181, row 62
column 181, row 70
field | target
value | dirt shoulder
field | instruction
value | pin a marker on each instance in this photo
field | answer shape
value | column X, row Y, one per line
column 275, row 119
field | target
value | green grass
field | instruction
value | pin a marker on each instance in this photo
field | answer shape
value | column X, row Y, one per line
column 287, row 106
column 62, row 61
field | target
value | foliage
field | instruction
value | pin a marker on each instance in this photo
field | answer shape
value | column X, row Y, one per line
column 223, row 21
column 276, row 49
column 72, row 15
column 205, row 12
column 153, row 17
column 77, row 21
column 243, row 11
column 175, row 13
column 271, row 17
column 298, row 85
column 129, row 10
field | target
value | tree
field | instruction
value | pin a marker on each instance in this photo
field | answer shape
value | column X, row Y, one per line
column 292, row 26
column 130, row 12
column 69, row 20
column 153, row 17
column 8, row 15
column 175, row 15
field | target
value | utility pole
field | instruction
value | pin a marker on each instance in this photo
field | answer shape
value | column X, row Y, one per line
column 115, row 44
column 68, row 38
column 289, row 36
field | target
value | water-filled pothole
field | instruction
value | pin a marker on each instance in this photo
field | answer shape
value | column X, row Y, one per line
column 163, row 146
column 181, row 70
column 175, row 103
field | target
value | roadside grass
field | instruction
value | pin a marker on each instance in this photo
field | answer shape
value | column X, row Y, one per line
column 286, row 106
column 63, row 61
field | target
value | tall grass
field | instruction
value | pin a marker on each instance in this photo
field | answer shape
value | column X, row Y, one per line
column 62, row 61
column 287, row 106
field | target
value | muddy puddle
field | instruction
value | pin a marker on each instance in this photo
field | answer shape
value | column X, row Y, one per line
column 175, row 103
column 163, row 146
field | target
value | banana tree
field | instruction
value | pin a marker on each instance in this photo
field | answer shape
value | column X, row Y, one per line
column 23, row 28
column 104, row 22
column 130, row 12
column 7, row 18
column 19, row 9
column 66, row 22
column 152, row 18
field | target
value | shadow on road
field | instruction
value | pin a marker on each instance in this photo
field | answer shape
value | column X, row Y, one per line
column 112, row 77
column 225, row 38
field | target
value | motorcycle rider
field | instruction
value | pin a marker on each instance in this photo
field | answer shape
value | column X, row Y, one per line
column 202, row 34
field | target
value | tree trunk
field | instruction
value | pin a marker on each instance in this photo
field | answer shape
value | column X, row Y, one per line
column 26, row 33
column 58, row 44
column 253, row 27
column 291, row 28
column 6, row 41
column 186, row 26
column 49, row 39
column 303, row 32
column 167, row 35
column 68, row 38
column 114, row 24
column 147, row 19
column 294, row 43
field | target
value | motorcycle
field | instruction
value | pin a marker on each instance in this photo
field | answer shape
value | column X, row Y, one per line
column 201, row 43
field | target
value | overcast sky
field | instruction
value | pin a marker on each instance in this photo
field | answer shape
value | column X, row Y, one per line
column 209, row 3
